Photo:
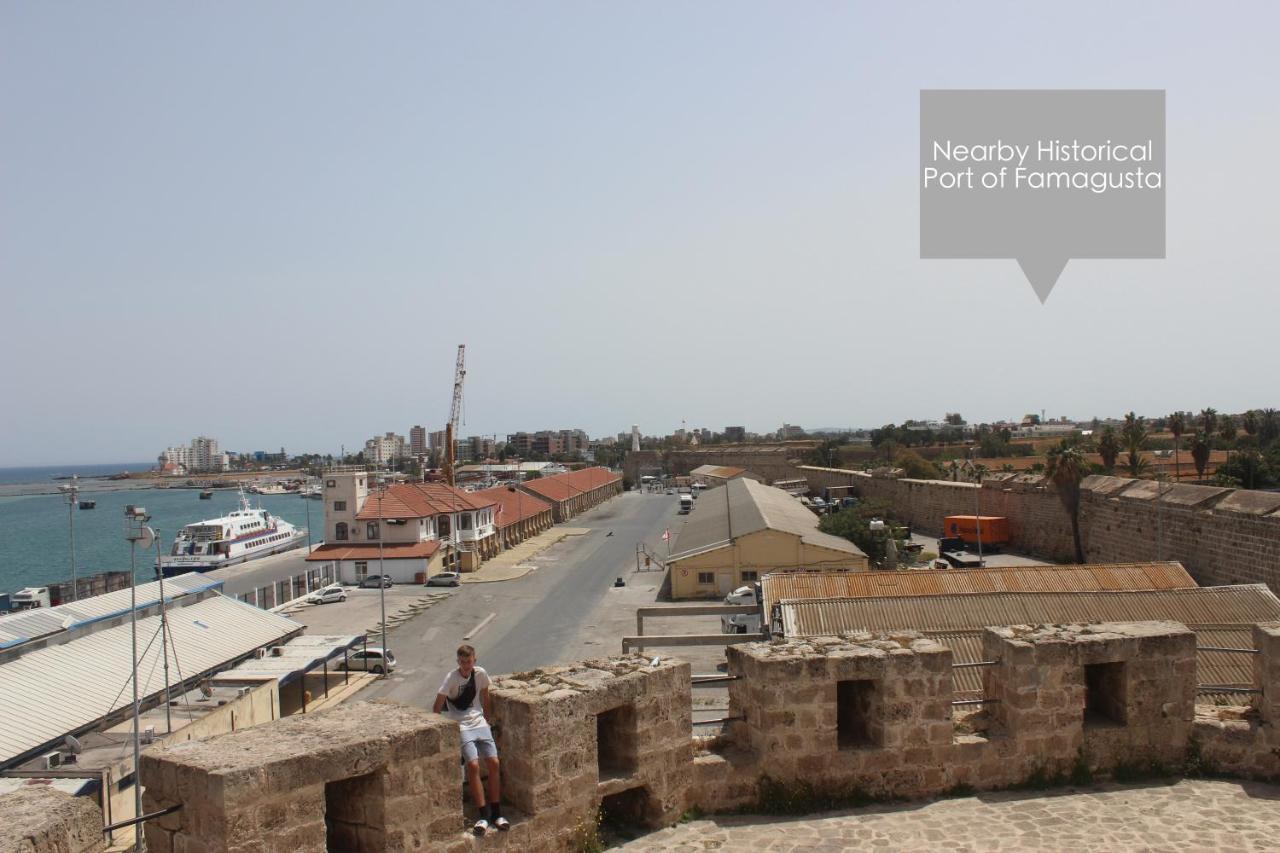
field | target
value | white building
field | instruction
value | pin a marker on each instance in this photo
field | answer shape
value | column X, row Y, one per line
column 202, row 455
column 386, row 448
column 413, row 529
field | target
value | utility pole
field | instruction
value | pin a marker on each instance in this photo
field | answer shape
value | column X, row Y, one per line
column 382, row 582
column 73, row 491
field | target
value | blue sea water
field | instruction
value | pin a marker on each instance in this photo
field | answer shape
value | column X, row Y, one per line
column 34, row 527
column 44, row 474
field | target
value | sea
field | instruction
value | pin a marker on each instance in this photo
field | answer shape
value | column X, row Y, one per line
column 35, row 521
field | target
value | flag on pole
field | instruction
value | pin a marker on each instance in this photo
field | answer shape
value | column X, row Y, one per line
column 666, row 535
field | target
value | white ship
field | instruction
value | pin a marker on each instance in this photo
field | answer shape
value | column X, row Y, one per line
column 244, row 534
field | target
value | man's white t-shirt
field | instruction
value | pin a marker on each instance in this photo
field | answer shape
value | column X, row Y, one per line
column 472, row 716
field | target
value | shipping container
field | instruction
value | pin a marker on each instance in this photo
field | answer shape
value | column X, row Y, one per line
column 995, row 529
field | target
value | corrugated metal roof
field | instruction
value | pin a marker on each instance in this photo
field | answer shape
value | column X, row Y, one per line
column 299, row 655
column 17, row 628
column 1220, row 605
column 50, row 692
column 742, row 507
column 1230, row 669
column 782, row 586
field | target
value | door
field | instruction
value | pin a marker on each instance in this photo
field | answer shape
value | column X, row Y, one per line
column 724, row 583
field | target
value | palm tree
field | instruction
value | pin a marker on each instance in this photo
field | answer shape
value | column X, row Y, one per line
column 1227, row 428
column 1200, row 452
column 1177, row 426
column 1134, row 434
column 1066, row 467
column 1209, row 420
column 1109, row 448
column 1250, row 422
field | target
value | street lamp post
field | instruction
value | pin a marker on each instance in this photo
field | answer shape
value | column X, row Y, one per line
column 382, row 581
column 136, row 530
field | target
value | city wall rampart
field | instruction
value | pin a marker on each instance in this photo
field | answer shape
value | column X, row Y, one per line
column 1222, row 536
column 855, row 717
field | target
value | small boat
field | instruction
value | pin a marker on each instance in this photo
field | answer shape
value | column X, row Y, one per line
column 88, row 504
column 206, row 494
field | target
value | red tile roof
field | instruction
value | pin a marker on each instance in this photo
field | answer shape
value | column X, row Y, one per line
column 562, row 487
column 419, row 500
column 513, row 505
column 390, row 551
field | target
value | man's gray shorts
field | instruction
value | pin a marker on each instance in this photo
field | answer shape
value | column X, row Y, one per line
column 478, row 743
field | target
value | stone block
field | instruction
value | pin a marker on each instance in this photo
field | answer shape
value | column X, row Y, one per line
column 43, row 820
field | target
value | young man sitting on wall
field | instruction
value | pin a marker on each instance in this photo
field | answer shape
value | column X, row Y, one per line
column 464, row 698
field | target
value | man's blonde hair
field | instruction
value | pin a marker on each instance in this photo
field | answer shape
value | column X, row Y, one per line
column 466, row 650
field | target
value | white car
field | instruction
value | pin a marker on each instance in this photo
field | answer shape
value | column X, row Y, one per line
column 444, row 579
column 371, row 660
column 327, row 595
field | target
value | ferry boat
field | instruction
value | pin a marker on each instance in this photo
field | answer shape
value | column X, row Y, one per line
column 244, row 534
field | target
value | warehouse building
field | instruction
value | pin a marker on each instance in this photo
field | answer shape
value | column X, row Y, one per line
column 1222, row 618
column 738, row 534
column 575, row 492
column 717, row 475
column 517, row 515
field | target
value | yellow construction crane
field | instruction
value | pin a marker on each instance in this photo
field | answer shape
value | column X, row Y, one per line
column 455, row 413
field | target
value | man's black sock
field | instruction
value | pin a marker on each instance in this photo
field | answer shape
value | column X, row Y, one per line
column 494, row 811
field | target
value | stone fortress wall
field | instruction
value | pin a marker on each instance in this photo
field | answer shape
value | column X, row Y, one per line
column 859, row 715
column 1222, row 536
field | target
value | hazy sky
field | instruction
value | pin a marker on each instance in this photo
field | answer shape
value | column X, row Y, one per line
column 273, row 223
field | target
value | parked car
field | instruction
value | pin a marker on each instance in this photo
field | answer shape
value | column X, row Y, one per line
column 371, row 660
column 445, row 579
column 327, row 595
column 374, row 581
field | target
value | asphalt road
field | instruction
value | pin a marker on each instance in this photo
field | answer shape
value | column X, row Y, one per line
column 534, row 617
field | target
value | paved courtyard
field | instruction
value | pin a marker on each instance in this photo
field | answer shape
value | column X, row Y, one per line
column 1183, row 816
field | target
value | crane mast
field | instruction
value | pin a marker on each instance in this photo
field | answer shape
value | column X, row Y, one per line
column 455, row 413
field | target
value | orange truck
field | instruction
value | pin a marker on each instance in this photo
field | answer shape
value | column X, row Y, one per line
column 995, row 529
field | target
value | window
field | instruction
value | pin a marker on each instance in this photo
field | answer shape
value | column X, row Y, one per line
column 616, row 742
column 464, row 521
column 371, row 530
column 1104, row 694
column 329, row 484
column 750, row 577
column 362, row 570
column 854, row 703
column 340, row 531
column 339, row 506
column 706, row 577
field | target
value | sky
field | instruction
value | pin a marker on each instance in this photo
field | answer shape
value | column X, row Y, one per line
column 274, row 223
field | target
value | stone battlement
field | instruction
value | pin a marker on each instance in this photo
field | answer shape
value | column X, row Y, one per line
column 860, row 715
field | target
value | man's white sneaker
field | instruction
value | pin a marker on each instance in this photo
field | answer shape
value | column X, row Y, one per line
column 502, row 823
column 481, row 827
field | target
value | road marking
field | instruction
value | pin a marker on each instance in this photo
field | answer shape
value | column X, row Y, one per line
column 477, row 629
column 430, row 633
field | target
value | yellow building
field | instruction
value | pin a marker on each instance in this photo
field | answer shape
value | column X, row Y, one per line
column 743, row 530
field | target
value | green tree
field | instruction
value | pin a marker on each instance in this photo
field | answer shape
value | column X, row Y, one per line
column 1109, row 448
column 854, row 524
column 1268, row 426
column 1250, row 423
column 954, row 418
column 1227, row 428
column 1177, row 426
column 1247, row 469
column 1200, row 452
column 1134, row 436
column 914, row 466
column 1066, row 467
column 1209, row 421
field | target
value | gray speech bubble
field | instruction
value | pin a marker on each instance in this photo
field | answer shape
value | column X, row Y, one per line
column 1042, row 176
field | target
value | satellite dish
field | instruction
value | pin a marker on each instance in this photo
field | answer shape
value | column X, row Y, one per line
column 73, row 744
column 146, row 538
column 205, row 690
